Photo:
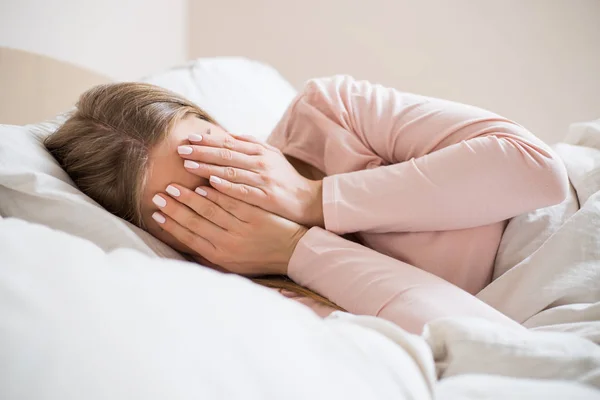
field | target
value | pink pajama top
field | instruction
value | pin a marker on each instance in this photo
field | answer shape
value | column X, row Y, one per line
column 427, row 186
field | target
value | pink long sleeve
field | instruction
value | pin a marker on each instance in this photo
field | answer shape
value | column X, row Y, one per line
column 365, row 282
column 442, row 165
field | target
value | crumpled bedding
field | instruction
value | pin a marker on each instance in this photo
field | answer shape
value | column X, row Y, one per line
column 470, row 358
column 549, row 261
column 548, row 279
column 122, row 325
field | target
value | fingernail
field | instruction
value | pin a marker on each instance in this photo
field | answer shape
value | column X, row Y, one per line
column 158, row 218
column 214, row 179
column 159, row 201
column 184, row 150
column 195, row 138
column 173, row 191
column 191, row 164
column 201, row 192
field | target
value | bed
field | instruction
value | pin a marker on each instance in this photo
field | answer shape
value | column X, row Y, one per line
column 92, row 307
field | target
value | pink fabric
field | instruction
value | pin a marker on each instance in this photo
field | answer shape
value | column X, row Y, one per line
column 366, row 282
column 428, row 182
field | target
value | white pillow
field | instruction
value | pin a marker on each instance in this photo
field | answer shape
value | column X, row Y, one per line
column 33, row 187
column 584, row 134
column 81, row 324
column 243, row 95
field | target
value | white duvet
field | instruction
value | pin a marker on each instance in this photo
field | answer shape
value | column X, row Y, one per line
column 80, row 323
column 549, row 259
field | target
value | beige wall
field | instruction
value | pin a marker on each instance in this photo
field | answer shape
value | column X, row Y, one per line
column 536, row 61
column 123, row 39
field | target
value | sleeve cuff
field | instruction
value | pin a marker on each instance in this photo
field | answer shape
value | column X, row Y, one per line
column 302, row 260
column 330, row 209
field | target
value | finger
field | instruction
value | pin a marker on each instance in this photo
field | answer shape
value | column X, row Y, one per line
column 226, row 141
column 202, row 206
column 191, row 240
column 190, row 219
column 241, row 210
column 245, row 193
column 218, row 156
column 255, row 140
column 232, row 174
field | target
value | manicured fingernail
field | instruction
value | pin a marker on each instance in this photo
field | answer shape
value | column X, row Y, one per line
column 201, row 192
column 195, row 138
column 184, row 150
column 173, row 191
column 214, row 179
column 158, row 218
column 191, row 164
column 159, row 201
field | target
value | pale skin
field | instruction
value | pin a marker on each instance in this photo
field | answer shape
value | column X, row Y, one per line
column 251, row 217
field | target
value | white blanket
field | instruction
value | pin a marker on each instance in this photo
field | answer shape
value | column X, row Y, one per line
column 81, row 323
column 549, row 261
column 548, row 278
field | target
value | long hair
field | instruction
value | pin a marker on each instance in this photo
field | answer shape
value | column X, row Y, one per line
column 105, row 144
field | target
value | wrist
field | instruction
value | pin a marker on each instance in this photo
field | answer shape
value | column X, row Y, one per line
column 281, row 267
column 314, row 210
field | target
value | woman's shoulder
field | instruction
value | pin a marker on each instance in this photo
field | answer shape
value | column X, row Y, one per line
column 327, row 84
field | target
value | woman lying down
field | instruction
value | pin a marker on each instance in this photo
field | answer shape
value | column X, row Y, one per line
column 369, row 199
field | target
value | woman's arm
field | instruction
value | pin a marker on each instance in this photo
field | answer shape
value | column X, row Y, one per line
column 363, row 281
column 452, row 166
column 431, row 164
column 248, row 240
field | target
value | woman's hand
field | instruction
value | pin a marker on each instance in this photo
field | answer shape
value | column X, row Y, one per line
column 236, row 236
column 256, row 173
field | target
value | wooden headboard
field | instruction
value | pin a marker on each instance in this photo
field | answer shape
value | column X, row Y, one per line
column 34, row 87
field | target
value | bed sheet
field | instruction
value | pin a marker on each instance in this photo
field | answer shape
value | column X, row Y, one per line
column 79, row 322
column 119, row 322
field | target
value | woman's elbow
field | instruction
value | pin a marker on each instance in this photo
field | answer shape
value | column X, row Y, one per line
column 542, row 172
column 555, row 179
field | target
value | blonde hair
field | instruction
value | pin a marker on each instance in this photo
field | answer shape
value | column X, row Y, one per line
column 105, row 144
